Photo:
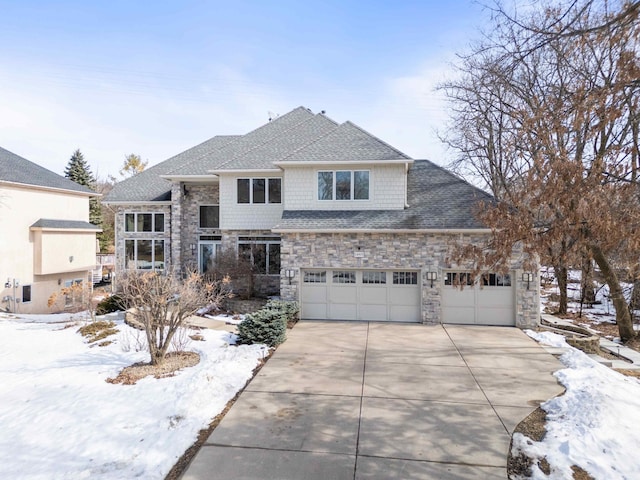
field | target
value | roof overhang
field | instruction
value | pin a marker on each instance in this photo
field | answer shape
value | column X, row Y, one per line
column 137, row 202
column 55, row 225
column 448, row 231
column 209, row 178
column 28, row 186
column 401, row 161
column 245, row 171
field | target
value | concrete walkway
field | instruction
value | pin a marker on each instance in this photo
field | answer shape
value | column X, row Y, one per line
column 351, row 401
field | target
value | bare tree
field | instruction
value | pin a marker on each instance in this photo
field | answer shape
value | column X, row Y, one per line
column 571, row 115
column 161, row 304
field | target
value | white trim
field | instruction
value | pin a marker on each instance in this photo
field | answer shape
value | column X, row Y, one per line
column 70, row 230
column 187, row 178
column 28, row 186
column 137, row 202
column 343, row 162
column 381, row 230
column 246, row 171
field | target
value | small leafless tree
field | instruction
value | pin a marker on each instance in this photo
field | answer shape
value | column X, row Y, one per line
column 162, row 302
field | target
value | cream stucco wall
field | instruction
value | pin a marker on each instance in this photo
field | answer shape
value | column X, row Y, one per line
column 21, row 207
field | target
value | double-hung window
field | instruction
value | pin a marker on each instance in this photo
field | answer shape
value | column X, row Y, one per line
column 259, row 190
column 343, row 185
column 143, row 222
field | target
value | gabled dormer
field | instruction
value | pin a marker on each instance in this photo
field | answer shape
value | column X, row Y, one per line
column 346, row 169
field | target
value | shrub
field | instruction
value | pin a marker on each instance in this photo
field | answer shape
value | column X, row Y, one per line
column 269, row 324
column 112, row 303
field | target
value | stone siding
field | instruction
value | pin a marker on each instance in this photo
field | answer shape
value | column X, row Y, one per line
column 415, row 251
column 121, row 235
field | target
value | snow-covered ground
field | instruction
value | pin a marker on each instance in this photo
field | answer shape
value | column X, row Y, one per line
column 594, row 425
column 60, row 419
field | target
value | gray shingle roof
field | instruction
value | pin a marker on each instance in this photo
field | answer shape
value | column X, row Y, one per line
column 14, row 168
column 244, row 144
column 297, row 137
column 148, row 186
column 437, row 200
column 65, row 224
column 346, row 143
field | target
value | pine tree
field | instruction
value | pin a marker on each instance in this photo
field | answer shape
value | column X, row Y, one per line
column 79, row 171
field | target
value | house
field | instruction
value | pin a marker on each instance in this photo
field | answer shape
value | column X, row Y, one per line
column 330, row 216
column 47, row 242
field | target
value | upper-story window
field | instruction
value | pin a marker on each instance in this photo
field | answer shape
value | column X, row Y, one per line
column 343, row 185
column 144, row 222
column 209, row 216
column 259, row 190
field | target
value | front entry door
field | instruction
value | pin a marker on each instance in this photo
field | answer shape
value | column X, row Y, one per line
column 207, row 251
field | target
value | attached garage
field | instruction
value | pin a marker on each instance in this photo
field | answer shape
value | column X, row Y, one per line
column 372, row 295
column 487, row 301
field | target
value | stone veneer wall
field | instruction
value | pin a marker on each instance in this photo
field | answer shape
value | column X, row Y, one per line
column 421, row 251
column 189, row 220
column 121, row 235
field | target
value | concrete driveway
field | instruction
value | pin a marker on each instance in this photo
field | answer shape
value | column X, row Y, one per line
column 345, row 400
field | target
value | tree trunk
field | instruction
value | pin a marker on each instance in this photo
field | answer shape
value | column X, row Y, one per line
column 623, row 316
column 587, row 292
column 561, row 276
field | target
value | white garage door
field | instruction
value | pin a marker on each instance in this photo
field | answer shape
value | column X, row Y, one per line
column 488, row 301
column 373, row 295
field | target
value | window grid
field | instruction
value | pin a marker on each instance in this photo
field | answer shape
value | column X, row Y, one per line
column 344, row 277
column 315, row 277
column 262, row 252
column 144, row 254
column 259, row 190
column 374, row 278
column 343, row 185
column 144, row 222
column 405, row 278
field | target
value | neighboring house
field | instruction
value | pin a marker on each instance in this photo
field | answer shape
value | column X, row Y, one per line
column 46, row 240
column 337, row 219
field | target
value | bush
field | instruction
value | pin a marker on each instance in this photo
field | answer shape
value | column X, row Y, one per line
column 269, row 324
column 113, row 303
column 289, row 309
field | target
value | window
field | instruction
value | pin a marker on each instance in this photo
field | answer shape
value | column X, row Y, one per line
column 343, row 185
column 143, row 254
column 209, row 216
column 144, row 222
column 458, row 278
column 344, row 277
column 73, row 295
column 262, row 252
column 259, row 190
column 496, row 280
column 315, row 277
column 405, row 278
column 26, row 293
column 374, row 278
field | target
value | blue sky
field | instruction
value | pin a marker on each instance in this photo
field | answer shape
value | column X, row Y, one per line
column 155, row 78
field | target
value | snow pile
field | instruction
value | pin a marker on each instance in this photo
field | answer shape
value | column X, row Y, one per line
column 594, row 425
column 60, row 419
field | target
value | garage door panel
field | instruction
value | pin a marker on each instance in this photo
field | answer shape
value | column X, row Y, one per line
column 314, row 311
column 340, row 311
column 489, row 304
column 342, row 294
column 372, row 297
column 404, row 313
column 374, row 313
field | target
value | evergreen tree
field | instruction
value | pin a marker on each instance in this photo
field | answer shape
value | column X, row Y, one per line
column 79, row 171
